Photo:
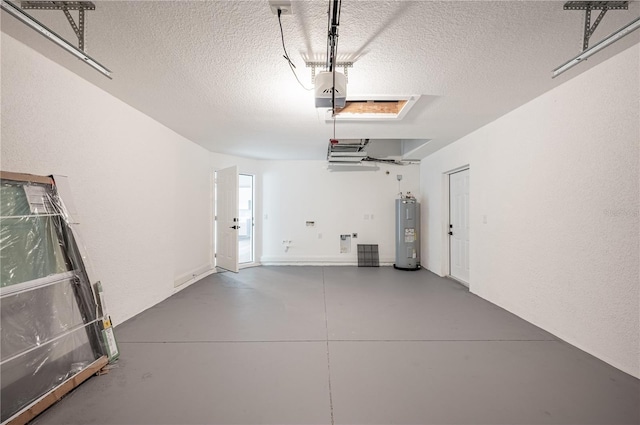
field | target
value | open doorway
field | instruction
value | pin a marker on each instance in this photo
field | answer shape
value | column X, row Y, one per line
column 234, row 206
column 246, row 196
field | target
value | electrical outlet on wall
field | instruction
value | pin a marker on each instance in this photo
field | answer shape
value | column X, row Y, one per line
column 287, row 245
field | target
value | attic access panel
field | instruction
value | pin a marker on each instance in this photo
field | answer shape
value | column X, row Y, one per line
column 374, row 108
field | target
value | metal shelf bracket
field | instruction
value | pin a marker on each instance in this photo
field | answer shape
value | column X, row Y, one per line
column 66, row 6
column 588, row 6
column 314, row 65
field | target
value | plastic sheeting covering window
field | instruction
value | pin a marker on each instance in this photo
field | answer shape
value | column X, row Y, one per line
column 49, row 328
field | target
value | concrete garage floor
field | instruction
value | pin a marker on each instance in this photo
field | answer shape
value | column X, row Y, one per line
column 344, row 345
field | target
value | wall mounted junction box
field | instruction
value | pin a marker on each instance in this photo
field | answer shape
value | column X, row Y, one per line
column 283, row 5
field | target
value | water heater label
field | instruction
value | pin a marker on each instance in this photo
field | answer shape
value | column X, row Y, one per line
column 409, row 235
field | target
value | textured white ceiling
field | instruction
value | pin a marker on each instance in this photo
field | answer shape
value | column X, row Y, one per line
column 213, row 71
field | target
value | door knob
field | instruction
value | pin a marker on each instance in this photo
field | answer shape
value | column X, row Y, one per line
column 450, row 233
column 234, row 227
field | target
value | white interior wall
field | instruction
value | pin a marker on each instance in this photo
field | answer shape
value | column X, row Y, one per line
column 557, row 180
column 298, row 191
column 141, row 190
column 191, row 200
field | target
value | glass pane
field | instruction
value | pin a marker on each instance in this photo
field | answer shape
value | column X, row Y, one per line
column 34, row 317
column 245, row 207
column 29, row 243
column 26, row 378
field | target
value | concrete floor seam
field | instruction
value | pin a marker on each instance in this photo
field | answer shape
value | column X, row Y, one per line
column 338, row 340
column 223, row 342
column 443, row 340
column 326, row 324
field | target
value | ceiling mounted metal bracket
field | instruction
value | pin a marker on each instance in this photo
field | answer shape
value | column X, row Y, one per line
column 22, row 16
column 588, row 6
column 587, row 51
column 66, row 6
column 314, row 65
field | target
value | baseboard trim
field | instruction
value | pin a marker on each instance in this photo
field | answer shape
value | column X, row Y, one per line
column 346, row 260
column 317, row 263
column 187, row 279
column 195, row 274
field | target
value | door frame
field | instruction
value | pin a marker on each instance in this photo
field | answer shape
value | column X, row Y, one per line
column 253, row 263
column 446, row 243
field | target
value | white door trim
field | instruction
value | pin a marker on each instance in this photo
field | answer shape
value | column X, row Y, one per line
column 253, row 262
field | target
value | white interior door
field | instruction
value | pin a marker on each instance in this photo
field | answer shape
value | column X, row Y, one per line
column 459, row 225
column 227, row 219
